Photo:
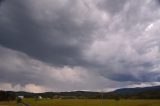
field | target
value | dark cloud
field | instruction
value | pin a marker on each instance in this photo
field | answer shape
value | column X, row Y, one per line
column 79, row 44
column 127, row 71
column 112, row 6
column 17, row 68
column 59, row 41
column 158, row 1
column 1, row 1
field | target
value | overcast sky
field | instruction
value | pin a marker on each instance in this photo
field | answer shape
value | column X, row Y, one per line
column 66, row 45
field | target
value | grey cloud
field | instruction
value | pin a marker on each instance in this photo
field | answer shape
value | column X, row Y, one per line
column 1, row 1
column 158, row 1
column 13, row 68
column 112, row 6
column 112, row 42
column 19, row 69
column 58, row 41
column 130, row 72
column 129, row 25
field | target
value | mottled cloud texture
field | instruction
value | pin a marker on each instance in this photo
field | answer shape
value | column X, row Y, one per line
column 64, row 45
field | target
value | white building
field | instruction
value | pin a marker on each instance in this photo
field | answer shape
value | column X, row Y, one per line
column 20, row 97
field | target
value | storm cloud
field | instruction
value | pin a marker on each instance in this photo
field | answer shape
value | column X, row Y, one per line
column 79, row 44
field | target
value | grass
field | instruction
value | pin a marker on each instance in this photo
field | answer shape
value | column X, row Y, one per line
column 83, row 102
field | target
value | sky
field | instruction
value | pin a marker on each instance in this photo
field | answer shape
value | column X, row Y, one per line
column 68, row 45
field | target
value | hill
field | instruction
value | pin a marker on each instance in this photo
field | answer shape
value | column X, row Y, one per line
column 124, row 93
column 136, row 90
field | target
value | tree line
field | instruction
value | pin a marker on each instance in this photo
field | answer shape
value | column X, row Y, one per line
column 7, row 96
column 149, row 94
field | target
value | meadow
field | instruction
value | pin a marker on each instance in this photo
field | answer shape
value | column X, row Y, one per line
column 84, row 102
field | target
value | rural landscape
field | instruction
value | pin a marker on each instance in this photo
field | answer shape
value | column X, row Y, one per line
column 79, row 52
column 148, row 96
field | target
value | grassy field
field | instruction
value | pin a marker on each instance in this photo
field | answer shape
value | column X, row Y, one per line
column 83, row 102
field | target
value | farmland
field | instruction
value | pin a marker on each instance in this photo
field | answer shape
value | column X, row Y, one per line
column 84, row 102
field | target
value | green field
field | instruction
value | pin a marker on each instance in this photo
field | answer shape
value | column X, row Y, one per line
column 85, row 102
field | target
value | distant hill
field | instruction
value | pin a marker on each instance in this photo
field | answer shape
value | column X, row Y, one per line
column 139, row 93
column 124, row 93
column 136, row 90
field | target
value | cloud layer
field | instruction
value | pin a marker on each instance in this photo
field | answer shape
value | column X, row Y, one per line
column 79, row 44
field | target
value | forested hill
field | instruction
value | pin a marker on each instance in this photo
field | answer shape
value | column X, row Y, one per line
column 136, row 90
column 124, row 93
column 139, row 93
